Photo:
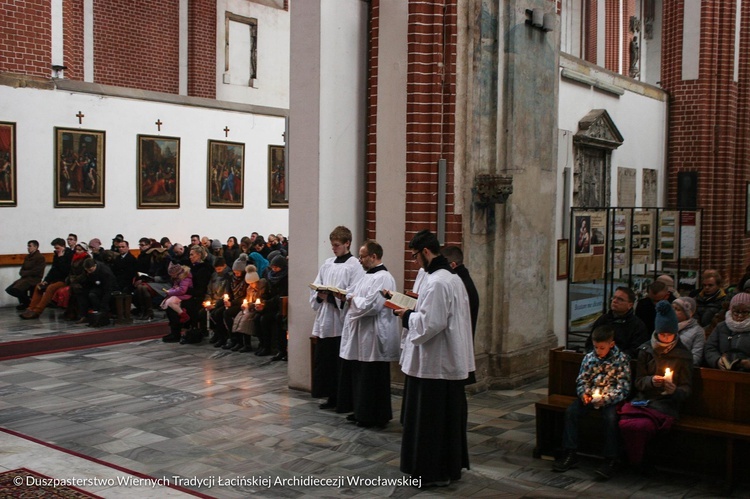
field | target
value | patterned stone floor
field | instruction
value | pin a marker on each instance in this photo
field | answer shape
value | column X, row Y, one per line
column 189, row 413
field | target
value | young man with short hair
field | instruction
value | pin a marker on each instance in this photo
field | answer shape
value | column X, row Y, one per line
column 437, row 357
column 342, row 271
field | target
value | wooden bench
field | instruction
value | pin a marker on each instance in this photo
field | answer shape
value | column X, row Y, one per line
column 712, row 434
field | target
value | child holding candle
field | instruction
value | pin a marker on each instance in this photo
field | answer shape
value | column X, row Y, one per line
column 603, row 382
column 244, row 322
column 663, row 381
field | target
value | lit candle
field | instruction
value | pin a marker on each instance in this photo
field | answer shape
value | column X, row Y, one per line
column 207, row 303
column 596, row 396
column 244, row 302
column 668, row 375
column 226, row 297
column 257, row 302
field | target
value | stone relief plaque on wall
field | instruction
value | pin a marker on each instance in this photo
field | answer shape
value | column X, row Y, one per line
column 648, row 195
column 625, row 186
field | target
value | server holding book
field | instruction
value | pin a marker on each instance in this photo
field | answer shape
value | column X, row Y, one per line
column 341, row 271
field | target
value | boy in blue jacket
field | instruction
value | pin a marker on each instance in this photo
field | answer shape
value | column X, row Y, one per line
column 603, row 381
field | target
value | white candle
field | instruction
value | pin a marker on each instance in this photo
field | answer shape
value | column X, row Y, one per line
column 668, row 375
column 596, row 396
column 244, row 302
column 257, row 302
column 226, row 297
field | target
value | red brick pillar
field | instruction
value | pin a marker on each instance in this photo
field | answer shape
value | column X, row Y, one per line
column 707, row 117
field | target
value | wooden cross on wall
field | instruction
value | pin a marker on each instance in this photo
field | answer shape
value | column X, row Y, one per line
column 158, row 124
column 80, row 116
column 226, row 131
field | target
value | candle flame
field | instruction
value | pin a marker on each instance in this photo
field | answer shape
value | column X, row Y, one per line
column 244, row 302
column 207, row 303
column 257, row 302
column 667, row 373
column 226, row 297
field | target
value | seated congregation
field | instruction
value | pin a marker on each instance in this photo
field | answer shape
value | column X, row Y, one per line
column 234, row 290
column 659, row 365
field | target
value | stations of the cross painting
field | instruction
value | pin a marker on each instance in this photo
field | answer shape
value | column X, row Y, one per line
column 80, row 116
column 226, row 131
column 158, row 124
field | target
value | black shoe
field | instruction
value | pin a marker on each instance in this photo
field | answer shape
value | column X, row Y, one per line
column 568, row 461
column 220, row 343
column 213, row 339
column 171, row 338
column 237, row 347
column 351, row 418
column 607, row 469
column 22, row 306
column 245, row 349
column 327, row 405
column 277, row 357
column 229, row 345
column 183, row 340
column 263, row 352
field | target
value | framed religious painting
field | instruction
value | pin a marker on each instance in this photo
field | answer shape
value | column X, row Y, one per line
column 278, row 191
column 158, row 172
column 8, row 164
column 226, row 174
column 79, row 168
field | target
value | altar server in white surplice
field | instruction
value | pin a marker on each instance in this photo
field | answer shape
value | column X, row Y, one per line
column 437, row 357
column 341, row 271
column 369, row 343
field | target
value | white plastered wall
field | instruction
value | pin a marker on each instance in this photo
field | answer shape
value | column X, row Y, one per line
column 37, row 112
column 271, row 88
column 641, row 120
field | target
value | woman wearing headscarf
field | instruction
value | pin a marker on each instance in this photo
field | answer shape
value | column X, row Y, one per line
column 728, row 347
column 690, row 332
column 663, row 380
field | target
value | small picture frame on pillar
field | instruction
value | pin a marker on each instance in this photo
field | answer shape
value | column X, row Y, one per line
column 563, row 252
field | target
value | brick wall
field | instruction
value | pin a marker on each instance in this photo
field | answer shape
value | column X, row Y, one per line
column 73, row 39
column 136, row 44
column 372, row 115
column 430, row 129
column 591, row 31
column 202, row 48
column 707, row 118
column 25, row 37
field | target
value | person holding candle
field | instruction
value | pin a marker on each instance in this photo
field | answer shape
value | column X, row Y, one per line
column 233, row 304
column 213, row 301
column 664, row 376
column 603, row 381
column 243, row 326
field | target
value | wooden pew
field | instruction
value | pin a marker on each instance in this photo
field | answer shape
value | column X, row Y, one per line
column 711, row 436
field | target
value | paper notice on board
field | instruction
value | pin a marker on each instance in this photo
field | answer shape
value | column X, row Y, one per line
column 668, row 231
column 690, row 234
column 643, row 237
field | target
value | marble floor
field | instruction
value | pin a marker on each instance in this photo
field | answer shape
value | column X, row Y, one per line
column 226, row 425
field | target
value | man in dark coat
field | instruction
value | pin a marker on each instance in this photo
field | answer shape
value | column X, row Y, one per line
column 645, row 309
column 96, row 293
column 630, row 332
column 32, row 271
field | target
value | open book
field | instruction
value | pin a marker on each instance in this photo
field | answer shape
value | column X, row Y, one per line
column 326, row 289
column 401, row 300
